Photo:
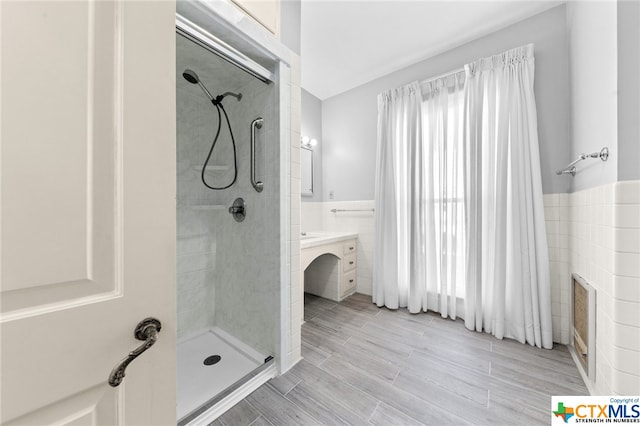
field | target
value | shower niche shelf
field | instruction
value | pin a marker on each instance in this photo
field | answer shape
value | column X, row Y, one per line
column 208, row 207
column 218, row 168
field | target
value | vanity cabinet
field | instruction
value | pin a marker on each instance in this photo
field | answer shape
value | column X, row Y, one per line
column 265, row 12
column 349, row 265
column 333, row 276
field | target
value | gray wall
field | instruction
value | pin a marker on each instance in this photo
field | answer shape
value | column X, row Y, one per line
column 312, row 127
column 604, row 50
column 593, row 78
column 349, row 120
column 628, row 90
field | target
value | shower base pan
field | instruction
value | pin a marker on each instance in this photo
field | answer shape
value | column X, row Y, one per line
column 215, row 371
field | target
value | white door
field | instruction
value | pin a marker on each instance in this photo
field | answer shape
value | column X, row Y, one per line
column 88, row 210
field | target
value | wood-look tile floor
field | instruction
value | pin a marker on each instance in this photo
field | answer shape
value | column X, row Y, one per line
column 365, row 365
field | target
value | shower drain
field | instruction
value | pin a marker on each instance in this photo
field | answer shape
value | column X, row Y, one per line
column 213, row 359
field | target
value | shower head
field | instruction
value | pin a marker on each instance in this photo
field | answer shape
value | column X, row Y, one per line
column 193, row 78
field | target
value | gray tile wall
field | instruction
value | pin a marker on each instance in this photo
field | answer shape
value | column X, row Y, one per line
column 228, row 272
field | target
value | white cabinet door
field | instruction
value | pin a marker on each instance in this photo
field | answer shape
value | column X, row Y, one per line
column 87, row 211
column 267, row 12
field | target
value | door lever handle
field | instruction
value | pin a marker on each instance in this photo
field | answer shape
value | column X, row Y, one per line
column 147, row 330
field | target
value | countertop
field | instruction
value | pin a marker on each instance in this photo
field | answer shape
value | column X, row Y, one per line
column 312, row 239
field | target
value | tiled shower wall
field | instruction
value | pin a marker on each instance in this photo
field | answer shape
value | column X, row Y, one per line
column 196, row 236
column 247, row 267
column 228, row 272
column 596, row 234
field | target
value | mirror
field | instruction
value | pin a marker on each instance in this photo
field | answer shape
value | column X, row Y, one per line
column 306, row 171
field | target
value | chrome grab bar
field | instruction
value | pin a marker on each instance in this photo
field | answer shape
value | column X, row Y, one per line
column 146, row 330
column 255, row 124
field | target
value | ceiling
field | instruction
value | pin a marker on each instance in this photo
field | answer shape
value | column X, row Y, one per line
column 348, row 43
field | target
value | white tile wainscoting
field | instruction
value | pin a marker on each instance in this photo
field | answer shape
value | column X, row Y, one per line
column 295, row 306
column 596, row 234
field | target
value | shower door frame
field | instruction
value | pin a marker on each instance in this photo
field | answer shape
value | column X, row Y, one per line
column 235, row 30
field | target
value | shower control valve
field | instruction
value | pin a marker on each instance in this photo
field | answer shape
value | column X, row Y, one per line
column 237, row 210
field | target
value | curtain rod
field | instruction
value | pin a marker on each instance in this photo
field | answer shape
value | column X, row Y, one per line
column 446, row 74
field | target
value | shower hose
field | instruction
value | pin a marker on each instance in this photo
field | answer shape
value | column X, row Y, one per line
column 217, row 103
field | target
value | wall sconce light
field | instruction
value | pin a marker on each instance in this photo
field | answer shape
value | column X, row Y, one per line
column 308, row 142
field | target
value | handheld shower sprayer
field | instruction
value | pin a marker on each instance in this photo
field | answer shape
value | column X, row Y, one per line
column 193, row 78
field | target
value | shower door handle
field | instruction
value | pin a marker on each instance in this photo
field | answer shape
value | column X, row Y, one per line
column 147, row 330
column 255, row 124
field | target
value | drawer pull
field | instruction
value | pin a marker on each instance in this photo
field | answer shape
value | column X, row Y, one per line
column 351, row 280
column 351, row 262
column 351, row 248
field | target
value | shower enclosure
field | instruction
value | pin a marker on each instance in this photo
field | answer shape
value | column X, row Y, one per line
column 229, row 257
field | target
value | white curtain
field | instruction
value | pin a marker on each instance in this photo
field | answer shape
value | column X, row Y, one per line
column 508, row 288
column 420, row 241
column 399, row 135
column 459, row 223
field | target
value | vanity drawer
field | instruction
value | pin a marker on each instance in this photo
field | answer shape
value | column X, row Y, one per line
column 348, row 283
column 349, row 262
column 349, row 247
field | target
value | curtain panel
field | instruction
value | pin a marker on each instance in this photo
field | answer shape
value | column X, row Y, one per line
column 419, row 254
column 399, row 136
column 508, row 281
column 459, row 223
